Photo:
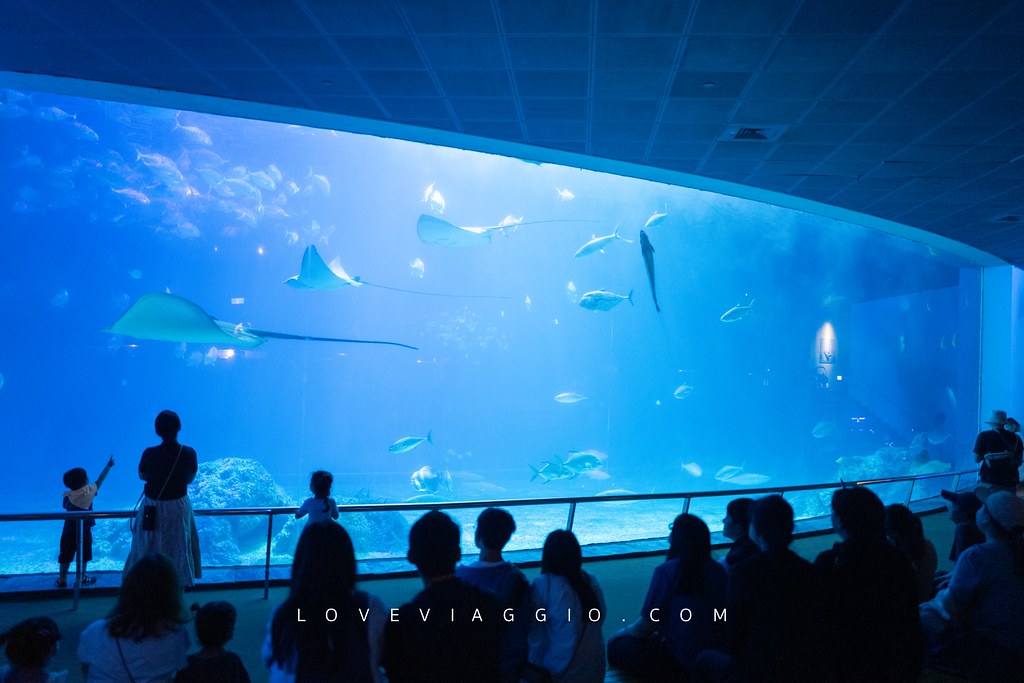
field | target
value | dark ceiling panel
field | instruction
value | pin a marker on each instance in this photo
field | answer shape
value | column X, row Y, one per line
column 552, row 83
column 475, row 83
column 634, row 52
column 742, row 17
column 288, row 53
column 380, row 52
column 400, row 83
column 834, row 18
column 463, row 52
column 357, row 18
column 725, row 53
column 535, row 17
column 452, row 17
column 280, row 17
column 555, row 52
column 647, row 17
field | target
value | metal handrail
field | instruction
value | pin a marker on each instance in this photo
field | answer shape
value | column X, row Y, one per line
column 571, row 501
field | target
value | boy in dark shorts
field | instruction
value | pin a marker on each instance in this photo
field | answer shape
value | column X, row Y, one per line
column 78, row 499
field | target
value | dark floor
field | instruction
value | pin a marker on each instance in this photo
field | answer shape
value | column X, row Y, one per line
column 623, row 581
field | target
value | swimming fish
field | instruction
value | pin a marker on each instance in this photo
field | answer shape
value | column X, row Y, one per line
column 570, row 292
column 749, row 479
column 315, row 274
column 165, row 317
column 425, row 480
column 599, row 243
column 417, row 267
column 570, row 397
column 655, row 219
column 551, row 471
column 407, row 443
column 727, row 472
column 434, row 230
column 582, row 461
column 682, row 391
column 692, row 468
column 647, row 251
column 823, row 428
column 737, row 312
column 600, row 300
column 565, row 194
column 434, row 198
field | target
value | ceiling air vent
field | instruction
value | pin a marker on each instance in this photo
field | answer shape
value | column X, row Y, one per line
column 752, row 133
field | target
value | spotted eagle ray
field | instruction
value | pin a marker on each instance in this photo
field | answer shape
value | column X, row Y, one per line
column 315, row 274
column 166, row 317
column 433, row 230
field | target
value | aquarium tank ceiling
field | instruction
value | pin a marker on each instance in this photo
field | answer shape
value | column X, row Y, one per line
column 431, row 323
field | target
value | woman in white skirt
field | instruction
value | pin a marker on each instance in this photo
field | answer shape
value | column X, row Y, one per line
column 165, row 523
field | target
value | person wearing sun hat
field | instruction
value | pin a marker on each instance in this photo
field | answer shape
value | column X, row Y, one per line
column 999, row 451
column 975, row 627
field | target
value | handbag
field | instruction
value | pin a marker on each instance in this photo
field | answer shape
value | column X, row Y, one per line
column 149, row 511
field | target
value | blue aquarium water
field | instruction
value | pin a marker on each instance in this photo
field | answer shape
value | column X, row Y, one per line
column 160, row 259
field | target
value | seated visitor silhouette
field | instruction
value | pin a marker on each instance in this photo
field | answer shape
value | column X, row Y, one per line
column 492, row 573
column 29, row 646
column 975, row 626
column 566, row 611
column 677, row 620
column 325, row 629
column 215, row 626
column 904, row 530
column 143, row 638
column 735, row 527
column 869, row 596
column 773, row 607
column 451, row 631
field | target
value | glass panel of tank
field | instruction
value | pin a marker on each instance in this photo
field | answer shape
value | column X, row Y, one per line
column 538, row 330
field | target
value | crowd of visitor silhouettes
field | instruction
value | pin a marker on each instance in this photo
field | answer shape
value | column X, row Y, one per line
column 871, row 608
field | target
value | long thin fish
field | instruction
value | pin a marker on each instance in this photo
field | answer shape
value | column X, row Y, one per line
column 648, row 253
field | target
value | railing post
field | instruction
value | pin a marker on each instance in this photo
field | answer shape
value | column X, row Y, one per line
column 572, row 516
column 956, row 483
column 79, row 574
column 686, row 505
column 910, row 493
column 266, row 567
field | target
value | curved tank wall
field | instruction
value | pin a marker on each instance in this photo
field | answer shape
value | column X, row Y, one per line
column 788, row 348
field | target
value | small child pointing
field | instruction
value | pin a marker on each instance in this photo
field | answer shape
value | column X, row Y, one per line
column 78, row 499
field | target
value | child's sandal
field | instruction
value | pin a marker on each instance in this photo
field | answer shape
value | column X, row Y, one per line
column 88, row 580
column 62, row 583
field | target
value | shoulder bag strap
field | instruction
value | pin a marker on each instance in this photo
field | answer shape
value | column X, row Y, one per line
column 168, row 479
column 131, row 679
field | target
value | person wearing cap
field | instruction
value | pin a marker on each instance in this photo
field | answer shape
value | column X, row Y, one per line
column 975, row 627
column 999, row 451
column 1012, row 425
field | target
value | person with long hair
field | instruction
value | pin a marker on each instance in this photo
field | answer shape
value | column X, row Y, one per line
column 325, row 629
column 678, row 620
column 975, row 626
column 567, row 608
column 165, row 522
column 904, row 530
column 143, row 638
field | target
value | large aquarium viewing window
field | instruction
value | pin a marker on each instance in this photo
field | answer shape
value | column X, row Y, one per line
column 537, row 330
